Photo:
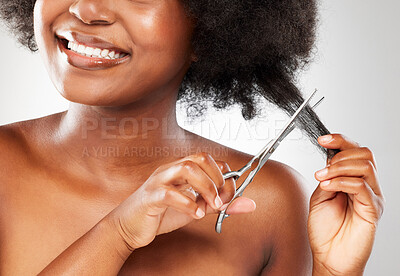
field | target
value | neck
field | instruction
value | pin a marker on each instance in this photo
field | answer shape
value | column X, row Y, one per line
column 110, row 143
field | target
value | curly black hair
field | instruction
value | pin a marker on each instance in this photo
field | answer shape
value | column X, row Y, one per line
column 245, row 49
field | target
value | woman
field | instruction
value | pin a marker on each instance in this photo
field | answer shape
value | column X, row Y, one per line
column 68, row 209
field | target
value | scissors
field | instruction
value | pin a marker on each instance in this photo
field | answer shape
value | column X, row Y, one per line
column 261, row 157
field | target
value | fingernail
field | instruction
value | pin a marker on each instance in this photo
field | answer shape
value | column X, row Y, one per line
column 322, row 173
column 224, row 206
column 325, row 183
column 326, row 138
column 200, row 213
column 218, row 201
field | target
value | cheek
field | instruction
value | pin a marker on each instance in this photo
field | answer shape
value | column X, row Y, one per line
column 46, row 13
column 39, row 24
column 161, row 44
column 164, row 32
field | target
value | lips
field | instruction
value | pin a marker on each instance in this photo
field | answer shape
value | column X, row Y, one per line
column 90, row 40
column 93, row 53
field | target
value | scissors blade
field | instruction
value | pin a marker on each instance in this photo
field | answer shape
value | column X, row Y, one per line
column 263, row 157
column 267, row 152
column 261, row 154
column 283, row 133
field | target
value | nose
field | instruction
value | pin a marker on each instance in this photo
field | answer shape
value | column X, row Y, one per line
column 92, row 12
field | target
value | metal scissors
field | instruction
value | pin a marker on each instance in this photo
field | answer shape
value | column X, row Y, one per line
column 261, row 157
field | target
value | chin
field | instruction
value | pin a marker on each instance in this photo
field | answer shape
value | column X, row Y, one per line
column 97, row 98
column 95, row 93
column 88, row 96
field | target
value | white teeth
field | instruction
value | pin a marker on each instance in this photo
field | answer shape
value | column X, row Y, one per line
column 81, row 49
column 97, row 52
column 104, row 53
column 89, row 51
column 94, row 52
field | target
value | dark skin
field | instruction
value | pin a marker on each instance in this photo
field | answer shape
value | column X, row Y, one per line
column 66, row 209
column 66, row 205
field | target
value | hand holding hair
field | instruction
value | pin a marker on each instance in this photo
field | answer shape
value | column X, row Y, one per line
column 344, row 209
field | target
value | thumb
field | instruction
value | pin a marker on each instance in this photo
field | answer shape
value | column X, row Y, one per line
column 241, row 205
column 320, row 196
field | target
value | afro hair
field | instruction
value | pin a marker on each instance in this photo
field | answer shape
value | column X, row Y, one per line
column 244, row 48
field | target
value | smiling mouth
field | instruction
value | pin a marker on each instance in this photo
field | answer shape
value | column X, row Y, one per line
column 89, row 57
column 87, row 51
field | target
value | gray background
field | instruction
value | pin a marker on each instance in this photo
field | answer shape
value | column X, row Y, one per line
column 356, row 69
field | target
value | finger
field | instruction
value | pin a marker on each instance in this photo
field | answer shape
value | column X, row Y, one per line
column 240, row 205
column 319, row 196
column 354, row 167
column 361, row 191
column 226, row 192
column 171, row 197
column 354, row 153
column 337, row 141
column 209, row 166
column 189, row 192
column 189, row 172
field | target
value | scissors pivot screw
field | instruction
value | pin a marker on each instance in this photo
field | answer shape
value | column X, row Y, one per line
column 261, row 158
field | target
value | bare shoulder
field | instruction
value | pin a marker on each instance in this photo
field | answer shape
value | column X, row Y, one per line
column 275, row 180
column 280, row 219
column 279, row 190
column 12, row 145
column 17, row 141
column 13, row 157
